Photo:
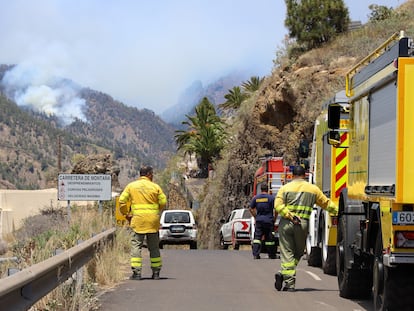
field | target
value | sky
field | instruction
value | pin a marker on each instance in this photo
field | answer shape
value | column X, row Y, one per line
column 142, row 53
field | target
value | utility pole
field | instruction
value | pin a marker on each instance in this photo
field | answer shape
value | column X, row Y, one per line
column 59, row 154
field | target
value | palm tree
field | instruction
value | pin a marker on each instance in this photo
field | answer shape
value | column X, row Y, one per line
column 234, row 98
column 205, row 136
column 253, row 84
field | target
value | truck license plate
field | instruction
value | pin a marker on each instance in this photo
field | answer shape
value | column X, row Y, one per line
column 243, row 234
column 403, row 218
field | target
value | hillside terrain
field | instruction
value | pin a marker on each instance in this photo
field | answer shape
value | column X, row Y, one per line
column 283, row 112
column 34, row 146
column 32, row 142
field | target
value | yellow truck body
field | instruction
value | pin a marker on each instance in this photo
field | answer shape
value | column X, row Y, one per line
column 375, row 238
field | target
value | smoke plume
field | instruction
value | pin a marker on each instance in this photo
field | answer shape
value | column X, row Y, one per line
column 41, row 91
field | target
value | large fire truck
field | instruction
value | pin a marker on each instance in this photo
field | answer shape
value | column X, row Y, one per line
column 328, row 170
column 375, row 239
column 272, row 172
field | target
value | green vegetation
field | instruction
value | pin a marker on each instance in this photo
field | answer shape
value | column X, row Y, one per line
column 205, row 136
column 315, row 22
column 42, row 235
column 380, row 12
column 236, row 96
column 252, row 85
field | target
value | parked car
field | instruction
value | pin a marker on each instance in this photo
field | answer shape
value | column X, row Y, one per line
column 178, row 227
column 235, row 230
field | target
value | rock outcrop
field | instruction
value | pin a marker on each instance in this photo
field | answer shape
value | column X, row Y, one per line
column 99, row 164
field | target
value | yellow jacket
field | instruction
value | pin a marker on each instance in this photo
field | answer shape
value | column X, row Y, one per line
column 298, row 197
column 147, row 201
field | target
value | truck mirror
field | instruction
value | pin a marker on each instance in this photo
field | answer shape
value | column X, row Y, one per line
column 334, row 138
column 334, row 115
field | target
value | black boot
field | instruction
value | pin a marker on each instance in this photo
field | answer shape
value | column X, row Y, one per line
column 155, row 275
column 136, row 275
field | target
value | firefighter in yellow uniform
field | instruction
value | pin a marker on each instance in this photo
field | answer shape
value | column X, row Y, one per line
column 147, row 201
column 294, row 202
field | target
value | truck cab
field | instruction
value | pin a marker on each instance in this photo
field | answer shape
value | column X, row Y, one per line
column 328, row 170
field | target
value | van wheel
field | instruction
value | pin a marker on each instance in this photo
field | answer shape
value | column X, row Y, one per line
column 193, row 245
column 161, row 245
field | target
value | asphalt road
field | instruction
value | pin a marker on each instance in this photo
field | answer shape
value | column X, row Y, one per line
column 225, row 280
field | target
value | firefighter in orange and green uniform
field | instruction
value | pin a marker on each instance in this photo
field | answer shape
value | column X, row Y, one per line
column 147, row 201
column 294, row 202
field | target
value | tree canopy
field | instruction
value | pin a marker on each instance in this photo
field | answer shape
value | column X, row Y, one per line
column 235, row 97
column 205, row 136
column 314, row 22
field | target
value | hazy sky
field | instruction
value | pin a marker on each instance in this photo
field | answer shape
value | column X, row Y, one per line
column 145, row 53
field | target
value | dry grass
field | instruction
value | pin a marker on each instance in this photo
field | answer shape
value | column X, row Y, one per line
column 45, row 233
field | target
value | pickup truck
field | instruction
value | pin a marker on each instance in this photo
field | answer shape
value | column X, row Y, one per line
column 236, row 229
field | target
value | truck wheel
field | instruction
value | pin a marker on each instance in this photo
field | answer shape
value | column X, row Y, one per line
column 329, row 259
column 315, row 257
column 313, row 253
column 161, row 245
column 352, row 282
column 222, row 244
column 328, row 255
column 393, row 287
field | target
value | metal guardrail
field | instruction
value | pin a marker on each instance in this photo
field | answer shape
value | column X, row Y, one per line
column 24, row 288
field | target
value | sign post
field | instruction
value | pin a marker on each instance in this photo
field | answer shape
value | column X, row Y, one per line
column 84, row 187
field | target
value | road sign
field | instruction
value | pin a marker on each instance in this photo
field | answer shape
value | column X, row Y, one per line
column 84, row 187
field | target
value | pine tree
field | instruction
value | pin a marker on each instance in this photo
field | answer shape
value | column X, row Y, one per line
column 315, row 22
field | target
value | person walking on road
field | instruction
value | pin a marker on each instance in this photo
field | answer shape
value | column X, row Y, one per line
column 294, row 202
column 262, row 209
column 147, row 200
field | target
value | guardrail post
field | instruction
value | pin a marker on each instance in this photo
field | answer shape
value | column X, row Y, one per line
column 68, row 209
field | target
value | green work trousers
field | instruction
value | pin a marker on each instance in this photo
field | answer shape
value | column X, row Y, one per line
column 292, row 242
column 137, row 240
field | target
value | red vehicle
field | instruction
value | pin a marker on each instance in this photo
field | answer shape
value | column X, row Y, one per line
column 274, row 173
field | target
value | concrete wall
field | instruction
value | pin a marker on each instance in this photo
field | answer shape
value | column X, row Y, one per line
column 15, row 205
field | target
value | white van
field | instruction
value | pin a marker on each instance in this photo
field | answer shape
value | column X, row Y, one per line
column 178, row 227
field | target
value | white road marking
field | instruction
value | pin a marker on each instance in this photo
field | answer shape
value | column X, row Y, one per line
column 317, row 278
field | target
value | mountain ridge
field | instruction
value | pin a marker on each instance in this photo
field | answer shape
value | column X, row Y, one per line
column 31, row 141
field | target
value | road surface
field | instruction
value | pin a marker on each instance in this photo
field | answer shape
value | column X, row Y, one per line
column 225, row 280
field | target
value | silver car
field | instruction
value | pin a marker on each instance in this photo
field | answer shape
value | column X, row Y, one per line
column 178, row 227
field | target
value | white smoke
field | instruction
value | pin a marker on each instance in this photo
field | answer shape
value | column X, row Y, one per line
column 43, row 92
